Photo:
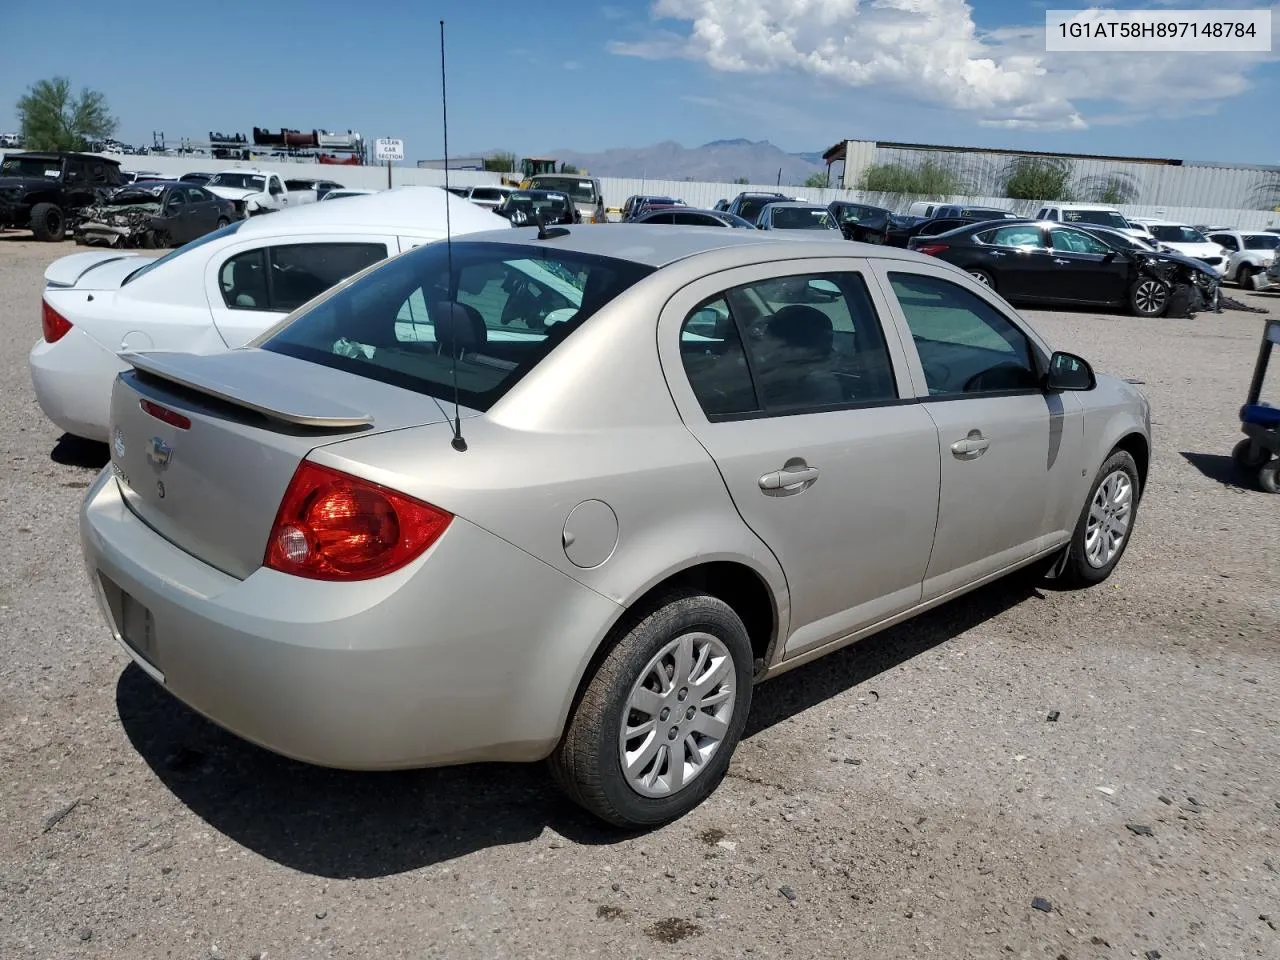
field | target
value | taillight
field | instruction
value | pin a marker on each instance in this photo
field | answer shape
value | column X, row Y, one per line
column 333, row 526
column 932, row 249
column 171, row 417
column 55, row 325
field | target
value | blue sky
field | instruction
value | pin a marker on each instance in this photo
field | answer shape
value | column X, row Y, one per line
column 588, row 76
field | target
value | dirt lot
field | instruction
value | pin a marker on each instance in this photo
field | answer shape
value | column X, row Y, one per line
column 907, row 798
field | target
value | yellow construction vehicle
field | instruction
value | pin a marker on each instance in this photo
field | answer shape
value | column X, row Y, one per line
column 531, row 167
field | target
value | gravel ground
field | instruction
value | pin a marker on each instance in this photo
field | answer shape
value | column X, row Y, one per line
column 906, row 798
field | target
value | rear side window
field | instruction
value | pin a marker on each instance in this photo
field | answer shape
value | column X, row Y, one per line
column 787, row 345
column 1021, row 236
column 285, row 277
column 501, row 309
column 965, row 345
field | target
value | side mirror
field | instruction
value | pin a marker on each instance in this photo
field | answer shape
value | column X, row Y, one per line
column 1069, row 372
column 1109, row 256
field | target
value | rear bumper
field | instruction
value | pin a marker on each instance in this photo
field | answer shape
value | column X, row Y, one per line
column 472, row 653
column 72, row 381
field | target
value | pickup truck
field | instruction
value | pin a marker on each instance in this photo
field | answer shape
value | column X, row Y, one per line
column 45, row 192
column 256, row 191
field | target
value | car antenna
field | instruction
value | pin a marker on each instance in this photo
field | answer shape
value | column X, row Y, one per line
column 457, row 442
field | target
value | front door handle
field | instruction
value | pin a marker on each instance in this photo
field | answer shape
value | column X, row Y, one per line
column 788, row 479
column 1063, row 262
column 971, row 447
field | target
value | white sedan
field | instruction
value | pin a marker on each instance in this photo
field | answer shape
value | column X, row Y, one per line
column 217, row 292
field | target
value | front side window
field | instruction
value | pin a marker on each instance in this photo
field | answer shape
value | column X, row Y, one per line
column 1225, row 240
column 965, row 345
column 283, row 278
column 175, row 202
column 807, row 342
column 501, row 309
column 1103, row 218
column 1076, row 241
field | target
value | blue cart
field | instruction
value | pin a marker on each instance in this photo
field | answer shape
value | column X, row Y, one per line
column 1258, row 454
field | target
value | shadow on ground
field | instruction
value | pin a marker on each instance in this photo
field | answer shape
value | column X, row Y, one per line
column 343, row 824
column 1220, row 468
column 77, row 452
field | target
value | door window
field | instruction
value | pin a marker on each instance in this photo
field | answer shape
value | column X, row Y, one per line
column 1225, row 240
column 176, row 203
column 811, row 341
column 196, row 195
column 965, row 345
column 283, row 278
column 1076, row 241
column 1019, row 236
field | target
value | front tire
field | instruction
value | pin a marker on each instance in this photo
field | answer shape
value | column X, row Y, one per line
column 1269, row 476
column 655, row 729
column 1244, row 277
column 48, row 223
column 1106, row 522
column 983, row 278
column 1149, row 297
column 1249, row 456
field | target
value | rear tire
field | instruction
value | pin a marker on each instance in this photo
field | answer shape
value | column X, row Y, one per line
column 679, row 676
column 1106, row 523
column 1248, row 456
column 48, row 223
column 1148, row 297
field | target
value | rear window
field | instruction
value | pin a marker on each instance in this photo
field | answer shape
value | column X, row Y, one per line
column 517, row 302
column 185, row 248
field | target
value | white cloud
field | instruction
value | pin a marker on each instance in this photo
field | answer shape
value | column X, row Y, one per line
column 933, row 51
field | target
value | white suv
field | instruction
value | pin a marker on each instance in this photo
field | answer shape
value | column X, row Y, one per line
column 1249, row 252
column 1097, row 214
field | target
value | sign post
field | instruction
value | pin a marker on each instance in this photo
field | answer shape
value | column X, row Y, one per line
column 386, row 150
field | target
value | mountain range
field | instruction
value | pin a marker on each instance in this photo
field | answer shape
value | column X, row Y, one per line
column 757, row 161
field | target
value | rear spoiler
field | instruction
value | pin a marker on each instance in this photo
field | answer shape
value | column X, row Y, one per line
column 67, row 271
column 251, row 380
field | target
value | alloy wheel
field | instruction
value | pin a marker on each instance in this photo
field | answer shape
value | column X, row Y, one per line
column 677, row 715
column 1150, row 296
column 1109, row 516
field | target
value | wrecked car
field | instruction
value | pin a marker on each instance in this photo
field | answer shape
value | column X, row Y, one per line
column 46, row 192
column 1032, row 261
column 153, row 214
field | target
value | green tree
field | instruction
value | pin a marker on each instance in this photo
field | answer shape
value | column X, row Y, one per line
column 501, row 162
column 741, row 180
column 816, row 180
column 927, row 179
column 53, row 119
column 1033, row 178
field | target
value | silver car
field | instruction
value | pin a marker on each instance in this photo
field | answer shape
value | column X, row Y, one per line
column 572, row 496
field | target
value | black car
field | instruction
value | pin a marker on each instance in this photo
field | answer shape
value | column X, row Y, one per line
column 523, row 207
column 861, row 221
column 691, row 217
column 749, row 203
column 45, row 192
column 903, row 229
column 1046, row 262
column 153, row 214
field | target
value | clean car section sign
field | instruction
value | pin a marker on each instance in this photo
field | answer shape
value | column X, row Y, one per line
column 388, row 150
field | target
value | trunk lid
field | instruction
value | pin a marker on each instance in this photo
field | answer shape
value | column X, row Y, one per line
column 95, row 270
column 213, row 484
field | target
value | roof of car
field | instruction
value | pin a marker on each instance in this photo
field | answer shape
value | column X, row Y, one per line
column 795, row 204
column 55, row 155
column 657, row 245
column 401, row 207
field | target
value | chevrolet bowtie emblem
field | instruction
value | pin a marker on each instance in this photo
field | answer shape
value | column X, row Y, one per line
column 159, row 453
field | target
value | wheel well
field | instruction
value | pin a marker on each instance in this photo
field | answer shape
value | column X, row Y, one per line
column 1136, row 446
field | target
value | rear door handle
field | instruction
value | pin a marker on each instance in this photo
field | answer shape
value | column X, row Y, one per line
column 788, row 479
column 971, row 447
